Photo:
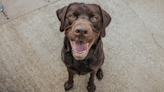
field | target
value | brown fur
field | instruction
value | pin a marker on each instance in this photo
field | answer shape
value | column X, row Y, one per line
column 93, row 31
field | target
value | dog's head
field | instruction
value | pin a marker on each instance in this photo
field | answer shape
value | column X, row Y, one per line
column 83, row 24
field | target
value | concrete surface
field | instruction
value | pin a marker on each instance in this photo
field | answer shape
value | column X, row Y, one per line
column 18, row 8
column 30, row 48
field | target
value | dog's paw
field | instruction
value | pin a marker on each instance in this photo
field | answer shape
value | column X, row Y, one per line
column 91, row 88
column 68, row 86
column 99, row 74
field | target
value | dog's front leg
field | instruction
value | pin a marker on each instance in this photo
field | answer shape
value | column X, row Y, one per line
column 91, row 86
column 69, row 84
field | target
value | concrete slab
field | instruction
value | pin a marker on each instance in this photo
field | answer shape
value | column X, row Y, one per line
column 30, row 53
column 151, row 12
column 17, row 8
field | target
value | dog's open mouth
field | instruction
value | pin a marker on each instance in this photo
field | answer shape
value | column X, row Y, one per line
column 80, row 49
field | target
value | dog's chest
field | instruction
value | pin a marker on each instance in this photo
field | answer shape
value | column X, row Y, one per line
column 80, row 67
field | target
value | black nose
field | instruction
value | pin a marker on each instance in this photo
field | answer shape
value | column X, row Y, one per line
column 80, row 30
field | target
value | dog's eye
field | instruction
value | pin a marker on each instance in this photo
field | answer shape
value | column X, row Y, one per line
column 93, row 18
column 72, row 16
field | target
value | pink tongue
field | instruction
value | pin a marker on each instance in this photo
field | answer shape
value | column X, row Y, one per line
column 80, row 46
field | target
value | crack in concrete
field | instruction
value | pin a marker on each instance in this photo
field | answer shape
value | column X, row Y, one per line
column 156, row 41
column 144, row 25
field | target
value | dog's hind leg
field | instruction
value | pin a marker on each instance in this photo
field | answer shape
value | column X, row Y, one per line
column 99, row 73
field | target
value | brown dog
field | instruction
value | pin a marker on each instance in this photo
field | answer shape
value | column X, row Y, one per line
column 82, row 52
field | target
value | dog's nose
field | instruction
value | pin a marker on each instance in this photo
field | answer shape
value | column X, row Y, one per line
column 81, row 30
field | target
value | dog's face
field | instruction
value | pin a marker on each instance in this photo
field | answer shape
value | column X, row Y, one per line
column 83, row 24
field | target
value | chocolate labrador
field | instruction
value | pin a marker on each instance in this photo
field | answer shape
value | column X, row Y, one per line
column 82, row 52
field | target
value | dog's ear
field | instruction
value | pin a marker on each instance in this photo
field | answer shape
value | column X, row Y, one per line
column 61, row 13
column 105, row 21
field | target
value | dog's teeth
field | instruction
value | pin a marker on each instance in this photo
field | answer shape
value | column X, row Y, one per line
column 80, row 54
column 87, row 43
column 84, row 52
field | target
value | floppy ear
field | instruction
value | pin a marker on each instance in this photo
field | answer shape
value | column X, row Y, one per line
column 61, row 13
column 105, row 21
